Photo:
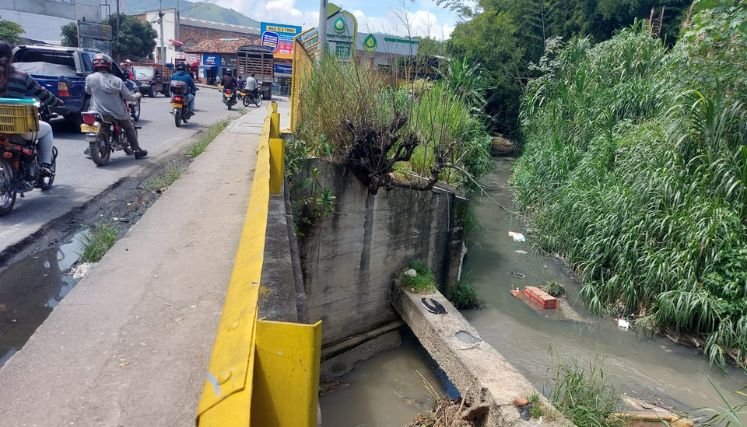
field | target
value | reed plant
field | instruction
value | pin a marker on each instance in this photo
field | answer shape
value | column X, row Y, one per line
column 635, row 170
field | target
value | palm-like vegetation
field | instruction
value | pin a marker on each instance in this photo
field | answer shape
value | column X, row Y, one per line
column 635, row 169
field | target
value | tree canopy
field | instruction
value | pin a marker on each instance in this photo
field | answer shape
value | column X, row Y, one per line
column 133, row 39
column 70, row 35
column 10, row 31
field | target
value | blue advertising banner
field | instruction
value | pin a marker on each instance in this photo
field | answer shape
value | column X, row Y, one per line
column 283, row 69
column 211, row 59
column 284, row 42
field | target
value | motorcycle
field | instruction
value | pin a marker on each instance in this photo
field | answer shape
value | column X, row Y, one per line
column 179, row 102
column 103, row 137
column 20, row 167
column 133, row 107
column 229, row 98
column 252, row 98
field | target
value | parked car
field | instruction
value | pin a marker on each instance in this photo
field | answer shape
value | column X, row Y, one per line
column 62, row 71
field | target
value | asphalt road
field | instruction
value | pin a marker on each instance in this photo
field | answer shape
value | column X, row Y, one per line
column 79, row 180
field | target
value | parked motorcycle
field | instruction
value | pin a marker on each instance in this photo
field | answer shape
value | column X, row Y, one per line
column 20, row 168
column 229, row 98
column 179, row 102
column 103, row 137
column 252, row 98
column 134, row 107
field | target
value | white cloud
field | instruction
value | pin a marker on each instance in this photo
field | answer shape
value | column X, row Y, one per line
column 422, row 22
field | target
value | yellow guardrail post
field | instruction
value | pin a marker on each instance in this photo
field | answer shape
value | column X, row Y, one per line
column 277, row 152
column 286, row 374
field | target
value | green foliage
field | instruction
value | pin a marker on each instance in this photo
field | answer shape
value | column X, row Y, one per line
column 423, row 282
column 69, row 34
column 635, row 169
column 159, row 183
column 315, row 203
column 582, row 394
column 354, row 116
column 98, row 241
column 555, row 289
column 464, row 296
column 133, row 39
column 10, row 31
column 730, row 414
column 206, row 137
column 536, row 410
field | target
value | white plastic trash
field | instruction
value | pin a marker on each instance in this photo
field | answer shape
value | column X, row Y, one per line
column 518, row 237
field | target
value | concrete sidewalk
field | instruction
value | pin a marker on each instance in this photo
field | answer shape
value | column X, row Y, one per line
column 129, row 346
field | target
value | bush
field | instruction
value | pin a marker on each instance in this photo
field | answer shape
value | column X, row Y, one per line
column 423, row 282
column 583, row 395
column 644, row 192
column 555, row 289
column 464, row 296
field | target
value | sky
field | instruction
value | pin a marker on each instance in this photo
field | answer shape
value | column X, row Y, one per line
column 422, row 17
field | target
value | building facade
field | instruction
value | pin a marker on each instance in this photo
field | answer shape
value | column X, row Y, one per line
column 42, row 20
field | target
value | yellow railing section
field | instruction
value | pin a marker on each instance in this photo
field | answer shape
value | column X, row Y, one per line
column 261, row 373
column 302, row 64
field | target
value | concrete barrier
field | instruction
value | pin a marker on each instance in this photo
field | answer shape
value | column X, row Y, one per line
column 478, row 371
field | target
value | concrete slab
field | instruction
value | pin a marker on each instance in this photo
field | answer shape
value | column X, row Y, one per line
column 478, row 371
column 130, row 344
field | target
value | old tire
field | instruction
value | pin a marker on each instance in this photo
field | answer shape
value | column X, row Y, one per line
column 100, row 150
column 7, row 195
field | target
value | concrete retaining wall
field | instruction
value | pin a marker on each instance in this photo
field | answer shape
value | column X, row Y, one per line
column 350, row 257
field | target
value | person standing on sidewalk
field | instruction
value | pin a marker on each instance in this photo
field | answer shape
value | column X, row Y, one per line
column 108, row 96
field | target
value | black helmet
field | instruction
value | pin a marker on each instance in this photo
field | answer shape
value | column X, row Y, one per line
column 101, row 62
column 181, row 66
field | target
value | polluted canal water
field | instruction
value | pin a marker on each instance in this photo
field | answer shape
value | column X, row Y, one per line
column 29, row 291
column 652, row 369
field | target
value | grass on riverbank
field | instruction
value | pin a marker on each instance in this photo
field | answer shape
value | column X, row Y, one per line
column 98, row 241
column 582, row 394
column 207, row 137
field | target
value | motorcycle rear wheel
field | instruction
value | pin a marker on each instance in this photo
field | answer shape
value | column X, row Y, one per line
column 45, row 182
column 258, row 101
column 101, row 150
column 7, row 195
column 178, row 117
column 135, row 111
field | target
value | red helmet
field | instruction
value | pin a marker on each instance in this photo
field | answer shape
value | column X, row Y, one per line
column 101, row 62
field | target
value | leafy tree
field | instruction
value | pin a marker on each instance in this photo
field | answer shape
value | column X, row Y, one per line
column 133, row 39
column 10, row 31
column 70, row 35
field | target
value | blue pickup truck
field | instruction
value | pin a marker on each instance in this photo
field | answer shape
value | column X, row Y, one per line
column 62, row 71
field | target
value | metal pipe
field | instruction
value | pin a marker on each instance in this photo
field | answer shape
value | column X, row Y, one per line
column 162, row 53
column 322, row 28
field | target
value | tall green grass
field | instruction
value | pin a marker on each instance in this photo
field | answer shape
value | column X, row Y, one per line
column 97, row 242
column 583, row 395
column 635, row 169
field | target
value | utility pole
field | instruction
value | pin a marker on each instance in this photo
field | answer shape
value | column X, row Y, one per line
column 117, row 33
column 322, row 29
column 162, row 56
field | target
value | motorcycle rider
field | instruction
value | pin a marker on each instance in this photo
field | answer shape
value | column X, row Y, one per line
column 127, row 68
column 229, row 82
column 108, row 93
column 183, row 76
column 252, row 86
column 16, row 84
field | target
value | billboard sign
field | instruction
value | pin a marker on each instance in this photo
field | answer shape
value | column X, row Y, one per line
column 210, row 60
column 284, row 34
column 270, row 41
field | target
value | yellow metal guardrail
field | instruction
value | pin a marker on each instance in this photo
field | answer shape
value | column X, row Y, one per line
column 261, row 373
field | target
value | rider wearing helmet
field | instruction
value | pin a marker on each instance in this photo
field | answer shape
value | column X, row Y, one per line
column 229, row 83
column 108, row 96
column 182, row 75
column 16, row 84
column 127, row 68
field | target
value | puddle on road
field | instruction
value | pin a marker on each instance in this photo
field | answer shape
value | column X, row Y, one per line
column 29, row 291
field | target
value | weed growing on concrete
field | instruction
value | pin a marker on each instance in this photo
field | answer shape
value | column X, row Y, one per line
column 98, row 242
column 555, row 289
column 424, row 281
column 207, row 137
column 169, row 176
column 464, row 296
column 536, row 410
column 582, row 394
